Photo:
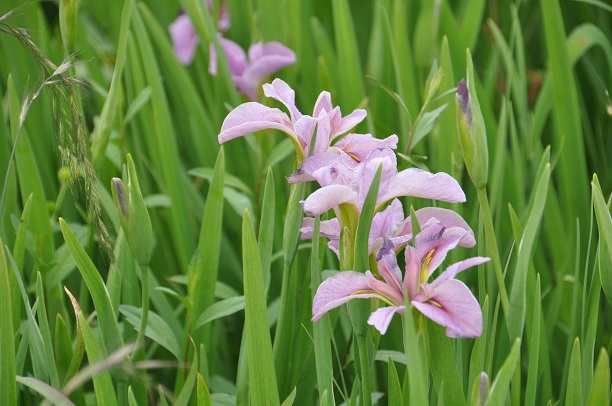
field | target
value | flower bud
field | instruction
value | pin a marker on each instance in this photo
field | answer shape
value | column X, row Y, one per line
column 483, row 389
column 471, row 129
column 67, row 21
column 133, row 215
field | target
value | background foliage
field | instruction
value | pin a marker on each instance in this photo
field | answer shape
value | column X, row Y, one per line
column 71, row 290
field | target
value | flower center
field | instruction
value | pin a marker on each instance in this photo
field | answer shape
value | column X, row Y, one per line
column 423, row 274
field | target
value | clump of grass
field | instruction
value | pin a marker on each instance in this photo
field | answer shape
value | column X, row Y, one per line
column 69, row 122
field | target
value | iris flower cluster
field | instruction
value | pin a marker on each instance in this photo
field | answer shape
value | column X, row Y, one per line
column 344, row 164
column 248, row 70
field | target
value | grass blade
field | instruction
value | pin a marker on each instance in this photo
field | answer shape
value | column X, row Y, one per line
column 571, row 167
column 266, row 227
column 444, row 365
column 261, row 362
column 600, row 388
column 500, row 386
column 7, row 342
column 534, row 347
column 49, row 392
column 351, row 85
column 321, row 330
column 103, row 384
column 573, row 396
column 604, row 225
column 157, row 329
column 516, row 316
column 203, row 277
column 103, row 129
column 106, row 315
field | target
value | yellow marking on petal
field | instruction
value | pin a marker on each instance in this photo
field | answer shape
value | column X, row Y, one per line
column 423, row 275
column 379, row 295
column 353, row 156
column 433, row 302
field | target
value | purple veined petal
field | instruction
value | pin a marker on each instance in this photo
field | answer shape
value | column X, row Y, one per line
column 389, row 291
column 264, row 66
column 334, row 245
column 328, row 197
column 349, row 122
column 413, row 269
column 236, row 58
column 250, row 117
column 184, row 39
column 449, row 219
column 323, row 103
column 327, row 228
column 323, row 133
column 313, row 163
column 282, row 92
column 418, row 183
column 338, row 290
column 261, row 50
column 456, row 268
column 304, row 128
column 367, row 170
column 437, row 238
column 457, row 309
column 389, row 270
column 360, row 146
column 386, row 223
column 382, row 317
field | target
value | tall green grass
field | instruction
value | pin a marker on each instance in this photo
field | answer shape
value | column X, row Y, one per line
column 228, row 296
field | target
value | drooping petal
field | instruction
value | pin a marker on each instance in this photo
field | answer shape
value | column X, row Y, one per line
column 327, row 228
column 281, row 91
column 382, row 317
column 449, row 219
column 360, row 146
column 418, row 183
column 339, row 289
column 264, row 60
column 457, row 267
column 455, row 308
column 312, row 164
column 366, row 171
column 250, row 117
column 236, row 58
column 328, row 197
column 184, row 39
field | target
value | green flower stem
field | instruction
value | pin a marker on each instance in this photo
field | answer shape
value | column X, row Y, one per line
column 492, row 242
column 364, row 362
column 144, row 280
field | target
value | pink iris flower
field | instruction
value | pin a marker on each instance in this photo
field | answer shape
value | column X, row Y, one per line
column 328, row 120
column 248, row 72
column 343, row 184
column 391, row 225
column 184, row 37
column 446, row 300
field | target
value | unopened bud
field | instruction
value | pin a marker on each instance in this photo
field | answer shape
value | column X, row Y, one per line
column 133, row 215
column 471, row 129
column 483, row 390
